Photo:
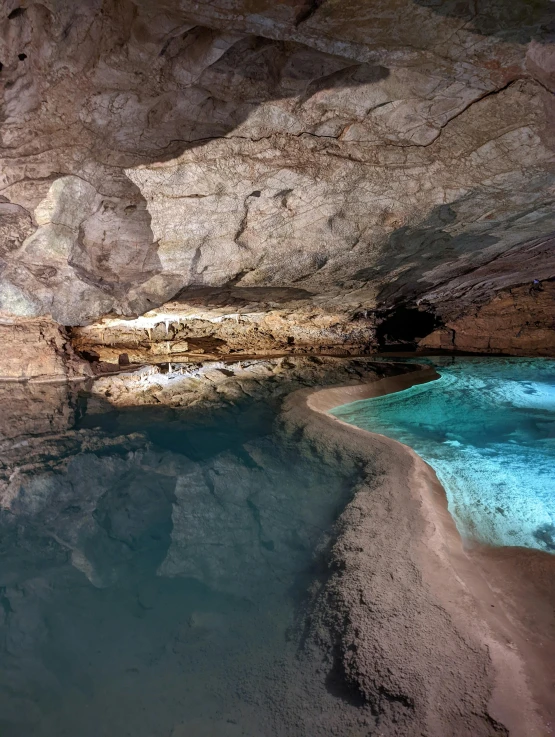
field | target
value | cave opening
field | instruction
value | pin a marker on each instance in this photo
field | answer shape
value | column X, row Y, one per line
column 402, row 327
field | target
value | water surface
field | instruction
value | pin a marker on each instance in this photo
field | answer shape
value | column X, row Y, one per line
column 487, row 427
column 152, row 566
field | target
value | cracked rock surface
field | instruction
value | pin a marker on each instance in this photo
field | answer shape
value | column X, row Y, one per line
column 370, row 153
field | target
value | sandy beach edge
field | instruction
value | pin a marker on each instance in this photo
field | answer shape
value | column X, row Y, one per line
column 449, row 651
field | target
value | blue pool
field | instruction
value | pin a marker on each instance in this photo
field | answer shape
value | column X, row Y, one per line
column 487, row 427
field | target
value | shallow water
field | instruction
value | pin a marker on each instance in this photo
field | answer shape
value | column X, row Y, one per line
column 487, row 427
column 152, row 565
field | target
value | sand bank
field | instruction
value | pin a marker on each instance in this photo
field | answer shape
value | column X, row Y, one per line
column 442, row 640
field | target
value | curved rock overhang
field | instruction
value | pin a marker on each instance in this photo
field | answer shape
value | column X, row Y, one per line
column 376, row 155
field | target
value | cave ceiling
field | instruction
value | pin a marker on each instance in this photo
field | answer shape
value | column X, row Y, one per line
column 369, row 153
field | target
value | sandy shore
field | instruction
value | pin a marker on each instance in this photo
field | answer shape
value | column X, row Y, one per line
column 442, row 640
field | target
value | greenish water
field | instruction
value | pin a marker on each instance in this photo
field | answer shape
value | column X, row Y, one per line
column 152, row 568
column 487, row 427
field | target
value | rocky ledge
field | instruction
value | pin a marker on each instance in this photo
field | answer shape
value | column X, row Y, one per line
column 387, row 163
column 438, row 638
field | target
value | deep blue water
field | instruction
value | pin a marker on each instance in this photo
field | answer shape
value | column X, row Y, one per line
column 487, row 427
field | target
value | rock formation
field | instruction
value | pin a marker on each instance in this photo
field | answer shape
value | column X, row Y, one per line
column 437, row 637
column 168, row 561
column 379, row 155
column 38, row 349
column 197, row 183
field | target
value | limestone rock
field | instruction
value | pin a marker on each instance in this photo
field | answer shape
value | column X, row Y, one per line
column 38, row 349
column 518, row 321
column 369, row 153
column 217, row 323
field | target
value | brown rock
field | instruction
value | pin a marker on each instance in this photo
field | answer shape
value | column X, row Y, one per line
column 367, row 152
column 38, row 350
column 516, row 322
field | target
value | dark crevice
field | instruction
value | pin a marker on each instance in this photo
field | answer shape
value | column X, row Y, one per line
column 244, row 222
column 237, row 278
column 165, row 46
column 402, row 327
column 89, row 355
column 338, row 684
column 308, row 12
column 16, row 13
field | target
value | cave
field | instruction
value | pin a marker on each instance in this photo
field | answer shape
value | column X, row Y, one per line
column 277, row 299
column 403, row 327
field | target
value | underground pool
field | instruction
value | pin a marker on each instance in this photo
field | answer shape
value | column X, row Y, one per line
column 153, row 565
column 487, row 428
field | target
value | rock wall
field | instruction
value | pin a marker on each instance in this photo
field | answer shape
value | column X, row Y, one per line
column 38, row 349
column 518, row 322
column 368, row 153
column 227, row 323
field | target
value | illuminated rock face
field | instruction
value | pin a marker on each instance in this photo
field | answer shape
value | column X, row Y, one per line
column 38, row 349
column 516, row 321
column 369, row 153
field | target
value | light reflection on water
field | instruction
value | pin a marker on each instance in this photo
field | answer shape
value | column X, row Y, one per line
column 487, row 427
column 149, row 585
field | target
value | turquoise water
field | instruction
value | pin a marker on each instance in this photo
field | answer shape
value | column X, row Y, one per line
column 487, row 427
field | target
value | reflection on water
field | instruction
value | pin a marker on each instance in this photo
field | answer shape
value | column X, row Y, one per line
column 151, row 565
column 487, row 427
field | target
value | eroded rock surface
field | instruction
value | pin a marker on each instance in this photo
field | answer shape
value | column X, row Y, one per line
column 227, row 323
column 518, row 321
column 368, row 153
column 38, row 349
column 412, row 621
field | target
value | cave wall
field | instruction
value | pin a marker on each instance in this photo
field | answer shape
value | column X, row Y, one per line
column 38, row 349
column 371, row 153
column 518, row 322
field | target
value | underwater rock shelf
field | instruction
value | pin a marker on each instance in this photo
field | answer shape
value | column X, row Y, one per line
column 487, row 427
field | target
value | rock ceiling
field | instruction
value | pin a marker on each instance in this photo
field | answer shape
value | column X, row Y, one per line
column 370, row 153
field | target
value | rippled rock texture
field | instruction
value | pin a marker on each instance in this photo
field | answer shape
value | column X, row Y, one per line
column 370, row 153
